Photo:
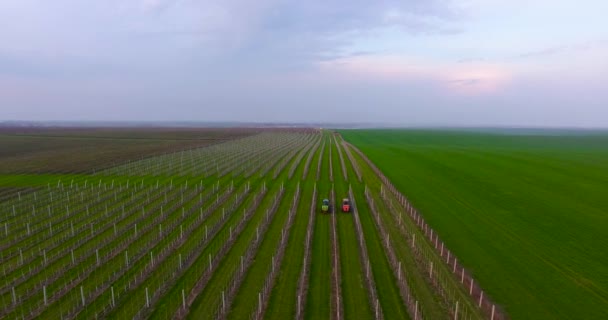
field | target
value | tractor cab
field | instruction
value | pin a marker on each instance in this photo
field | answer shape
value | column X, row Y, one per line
column 325, row 206
column 345, row 205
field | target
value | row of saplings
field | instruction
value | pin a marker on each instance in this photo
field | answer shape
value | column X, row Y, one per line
column 326, row 206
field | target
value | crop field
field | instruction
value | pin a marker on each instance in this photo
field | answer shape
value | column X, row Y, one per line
column 526, row 213
column 76, row 150
column 230, row 230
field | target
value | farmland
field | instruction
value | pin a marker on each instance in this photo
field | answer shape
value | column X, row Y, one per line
column 229, row 230
column 75, row 150
column 525, row 212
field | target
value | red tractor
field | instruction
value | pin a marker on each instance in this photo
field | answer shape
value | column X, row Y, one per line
column 345, row 205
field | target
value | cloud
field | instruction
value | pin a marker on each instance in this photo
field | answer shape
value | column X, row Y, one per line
column 564, row 49
column 474, row 78
column 149, row 33
column 466, row 82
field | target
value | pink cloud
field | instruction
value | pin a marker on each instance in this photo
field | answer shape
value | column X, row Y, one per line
column 454, row 78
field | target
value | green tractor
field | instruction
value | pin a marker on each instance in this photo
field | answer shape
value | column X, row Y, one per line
column 325, row 206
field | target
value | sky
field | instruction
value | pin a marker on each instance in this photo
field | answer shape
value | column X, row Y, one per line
column 409, row 62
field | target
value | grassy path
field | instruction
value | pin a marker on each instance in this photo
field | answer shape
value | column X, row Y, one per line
column 355, row 297
column 243, row 304
column 286, row 287
column 319, row 298
column 390, row 301
column 420, row 288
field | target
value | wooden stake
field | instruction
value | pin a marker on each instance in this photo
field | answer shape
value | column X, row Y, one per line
column 183, row 299
column 376, row 308
column 147, row 299
column 223, row 302
column 399, row 272
column 462, row 276
column 298, row 306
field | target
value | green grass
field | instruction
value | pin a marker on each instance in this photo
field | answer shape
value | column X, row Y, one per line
column 282, row 304
column 416, row 278
column 318, row 303
column 354, row 293
column 201, row 308
column 167, row 306
column 431, row 304
column 388, row 292
column 244, row 304
column 525, row 212
column 133, row 299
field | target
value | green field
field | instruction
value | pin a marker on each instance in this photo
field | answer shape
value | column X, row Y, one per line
column 525, row 211
column 233, row 229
